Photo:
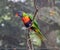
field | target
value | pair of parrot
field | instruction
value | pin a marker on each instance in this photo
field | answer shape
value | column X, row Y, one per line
column 27, row 20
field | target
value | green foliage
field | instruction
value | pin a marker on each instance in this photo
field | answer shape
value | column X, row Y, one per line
column 35, row 39
column 5, row 17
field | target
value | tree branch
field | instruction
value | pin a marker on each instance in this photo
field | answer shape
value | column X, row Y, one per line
column 29, row 43
column 35, row 13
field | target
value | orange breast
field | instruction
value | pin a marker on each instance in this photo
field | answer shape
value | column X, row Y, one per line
column 25, row 19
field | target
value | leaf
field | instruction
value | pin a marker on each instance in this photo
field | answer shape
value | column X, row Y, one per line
column 35, row 39
column 6, row 17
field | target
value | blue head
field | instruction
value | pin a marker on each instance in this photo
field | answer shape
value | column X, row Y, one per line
column 19, row 13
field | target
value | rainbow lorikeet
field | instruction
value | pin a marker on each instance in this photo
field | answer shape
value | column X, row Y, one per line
column 27, row 20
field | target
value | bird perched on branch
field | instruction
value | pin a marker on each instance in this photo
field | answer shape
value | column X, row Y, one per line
column 27, row 20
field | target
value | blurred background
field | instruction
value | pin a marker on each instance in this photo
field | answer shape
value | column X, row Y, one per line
column 12, row 35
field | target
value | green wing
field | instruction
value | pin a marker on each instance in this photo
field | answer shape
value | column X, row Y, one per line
column 37, row 29
column 35, row 22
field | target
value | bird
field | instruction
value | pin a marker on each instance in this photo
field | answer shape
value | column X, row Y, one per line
column 27, row 20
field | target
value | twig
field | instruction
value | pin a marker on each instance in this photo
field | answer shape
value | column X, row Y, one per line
column 29, row 43
column 35, row 10
column 35, row 14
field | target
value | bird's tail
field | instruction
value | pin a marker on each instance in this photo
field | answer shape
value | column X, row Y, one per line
column 39, row 34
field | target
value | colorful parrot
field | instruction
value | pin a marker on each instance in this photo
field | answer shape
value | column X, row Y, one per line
column 27, row 20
